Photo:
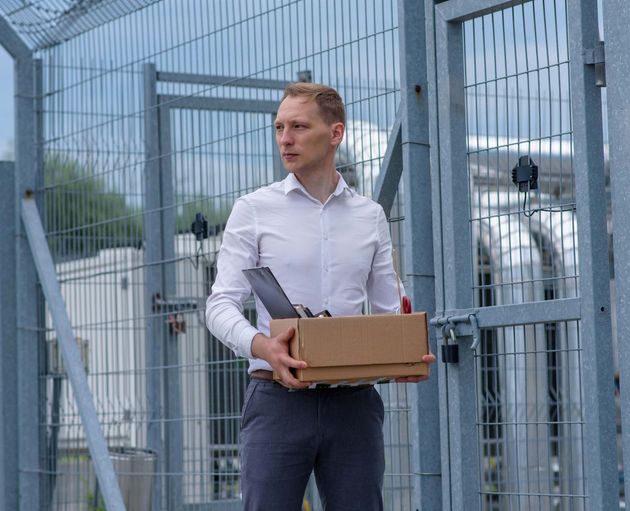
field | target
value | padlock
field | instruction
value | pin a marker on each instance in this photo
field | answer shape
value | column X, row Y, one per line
column 450, row 352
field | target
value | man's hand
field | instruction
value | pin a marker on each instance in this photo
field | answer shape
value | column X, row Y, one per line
column 275, row 350
column 427, row 359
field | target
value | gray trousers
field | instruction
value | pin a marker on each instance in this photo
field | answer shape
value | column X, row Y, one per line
column 337, row 433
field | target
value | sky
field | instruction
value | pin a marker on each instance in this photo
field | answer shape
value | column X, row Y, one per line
column 6, row 106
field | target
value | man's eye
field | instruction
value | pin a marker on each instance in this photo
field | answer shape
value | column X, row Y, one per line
column 278, row 128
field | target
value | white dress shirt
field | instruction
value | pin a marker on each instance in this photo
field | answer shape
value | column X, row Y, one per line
column 325, row 256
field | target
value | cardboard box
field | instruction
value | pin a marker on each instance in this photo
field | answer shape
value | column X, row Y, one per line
column 357, row 348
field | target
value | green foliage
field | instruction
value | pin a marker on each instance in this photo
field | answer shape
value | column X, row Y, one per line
column 85, row 215
column 94, row 503
column 82, row 214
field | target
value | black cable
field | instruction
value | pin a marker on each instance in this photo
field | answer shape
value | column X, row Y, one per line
column 559, row 209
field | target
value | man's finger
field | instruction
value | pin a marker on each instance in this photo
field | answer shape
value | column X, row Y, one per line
column 287, row 335
column 294, row 363
column 429, row 358
column 289, row 381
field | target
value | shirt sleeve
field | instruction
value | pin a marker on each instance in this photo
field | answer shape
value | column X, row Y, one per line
column 382, row 284
column 224, row 307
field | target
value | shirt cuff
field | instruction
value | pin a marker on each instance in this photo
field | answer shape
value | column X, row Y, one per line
column 245, row 341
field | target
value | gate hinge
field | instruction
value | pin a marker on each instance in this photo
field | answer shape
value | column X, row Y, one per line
column 597, row 57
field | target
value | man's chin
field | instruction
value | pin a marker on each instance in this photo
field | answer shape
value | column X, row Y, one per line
column 291, row 168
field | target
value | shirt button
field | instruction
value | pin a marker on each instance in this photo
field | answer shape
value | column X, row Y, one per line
column 325, row 236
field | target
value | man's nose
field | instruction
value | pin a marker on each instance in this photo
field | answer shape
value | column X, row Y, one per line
column 285, row 138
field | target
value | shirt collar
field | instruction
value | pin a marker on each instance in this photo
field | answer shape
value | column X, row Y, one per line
column 291, row 183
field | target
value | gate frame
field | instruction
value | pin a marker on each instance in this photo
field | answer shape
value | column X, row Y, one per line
column 415, row 31
column 616, row 21
column 163, row 382
column 460, row 455
column 602, row 478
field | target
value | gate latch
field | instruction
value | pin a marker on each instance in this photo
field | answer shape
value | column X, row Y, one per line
column 452, row 327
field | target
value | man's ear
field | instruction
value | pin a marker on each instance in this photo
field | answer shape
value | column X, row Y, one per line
column 337, row 131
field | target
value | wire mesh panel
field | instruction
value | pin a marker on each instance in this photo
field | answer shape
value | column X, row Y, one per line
column 531, row 442
column 517, row 105
column 524, row 235
column 167, row 393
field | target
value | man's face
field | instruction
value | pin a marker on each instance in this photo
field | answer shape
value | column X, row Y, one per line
column 305, row 140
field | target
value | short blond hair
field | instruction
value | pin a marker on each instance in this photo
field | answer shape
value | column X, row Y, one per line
column 328, row 99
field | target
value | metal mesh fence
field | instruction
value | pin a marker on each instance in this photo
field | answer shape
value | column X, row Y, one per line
column 530, row 422
column 517, row 105
column 168, row 394
column 524, row 236
column 164, row 110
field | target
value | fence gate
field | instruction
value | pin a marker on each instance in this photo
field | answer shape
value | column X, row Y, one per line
column 209, row 140
column 527, row 413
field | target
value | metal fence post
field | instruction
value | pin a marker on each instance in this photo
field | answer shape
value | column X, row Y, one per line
column 460, row 466
column 152, row 274
column 161, row 343
column 46, row 488
column 438, row 263
column 616, row 22
column 11, row 41
column 595, row 331
column 419, row 271
column 28, row 297
column 174, row 442
column 388, row 181
column 9, row 433
column 8, row 344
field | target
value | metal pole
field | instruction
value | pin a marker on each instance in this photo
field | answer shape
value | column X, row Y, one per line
column 8, row 344
column 11, row 41
column 419, row 271
column 38, row 180
column 27, row 310
column 458, row 409
column 103, row 466
column 616, row 23
column 10, row 436
column 152, row 274
column 438, row 260
column 595, row 331
column 9, row 432
column 174, row 442
column 386, row 186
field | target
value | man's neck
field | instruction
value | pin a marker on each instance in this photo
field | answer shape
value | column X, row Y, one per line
column 320, row 185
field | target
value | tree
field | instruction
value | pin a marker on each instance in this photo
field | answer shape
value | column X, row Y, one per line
column 85, row 215
column 82, row 214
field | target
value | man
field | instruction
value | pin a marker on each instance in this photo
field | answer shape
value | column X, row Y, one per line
column 330, row 249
